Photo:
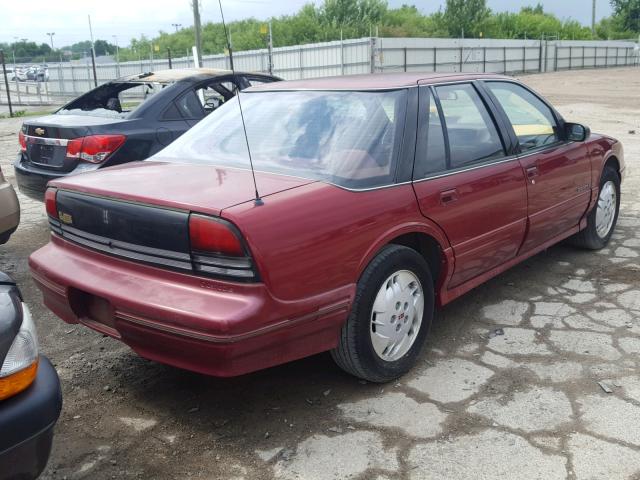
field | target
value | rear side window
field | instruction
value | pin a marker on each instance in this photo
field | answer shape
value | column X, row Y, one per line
column 473, row 136
column 190, row 106
column 432, row 150
column 532, row 120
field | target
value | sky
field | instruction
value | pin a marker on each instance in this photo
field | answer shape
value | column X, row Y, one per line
column 129, row 18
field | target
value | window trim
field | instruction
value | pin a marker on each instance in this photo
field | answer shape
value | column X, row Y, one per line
column 556, row 116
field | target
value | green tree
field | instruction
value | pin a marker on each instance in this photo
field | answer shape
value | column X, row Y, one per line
column 465, row 17
column 628, row 12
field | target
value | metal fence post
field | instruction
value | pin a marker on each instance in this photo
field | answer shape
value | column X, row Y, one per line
column 484, row 59
column 372, row 51
column 524, row 59
column 461, row 55
column 18, row 92
column 169, row 58
column 404, row 51
column 540, row 57
column 583, row 65
column 504, row 59
column 606, row 58
column 6, row 82
column 555, row 57
column 301, row 53
column 342, row 56
column 570, row 57
column 617, row 55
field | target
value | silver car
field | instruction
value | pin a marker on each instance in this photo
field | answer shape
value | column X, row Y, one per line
column 9, row 210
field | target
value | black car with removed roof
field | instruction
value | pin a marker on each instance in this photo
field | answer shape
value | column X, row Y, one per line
column 127, row 119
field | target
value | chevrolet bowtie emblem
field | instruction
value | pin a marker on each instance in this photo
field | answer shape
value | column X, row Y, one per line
column 39, row 131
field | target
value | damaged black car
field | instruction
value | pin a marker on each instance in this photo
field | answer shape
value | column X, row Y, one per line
column 121, row 121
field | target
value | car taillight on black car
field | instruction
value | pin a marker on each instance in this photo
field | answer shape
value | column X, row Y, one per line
column 94, row 148
column 178, row 240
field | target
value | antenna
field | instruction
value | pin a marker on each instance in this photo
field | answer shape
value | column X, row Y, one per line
column 257, row 201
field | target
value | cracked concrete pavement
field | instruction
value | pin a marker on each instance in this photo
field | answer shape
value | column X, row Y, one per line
column 509, row 383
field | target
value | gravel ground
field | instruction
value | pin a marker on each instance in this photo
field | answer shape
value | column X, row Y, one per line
column 478, row 405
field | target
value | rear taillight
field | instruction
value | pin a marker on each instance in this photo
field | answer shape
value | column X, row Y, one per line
column 50, row 202
column 95, row 148
column 217, row 248
column 23, row 141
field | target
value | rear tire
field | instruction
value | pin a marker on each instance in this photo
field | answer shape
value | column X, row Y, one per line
column 390, row 317
column 601, row 221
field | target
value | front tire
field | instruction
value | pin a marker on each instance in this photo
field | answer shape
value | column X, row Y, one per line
column 601, row 221
column 390, row 317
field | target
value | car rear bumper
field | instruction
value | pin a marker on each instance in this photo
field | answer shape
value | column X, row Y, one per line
column 199, row 324
column 26, row 423
column 9, row 211
column 32, row 181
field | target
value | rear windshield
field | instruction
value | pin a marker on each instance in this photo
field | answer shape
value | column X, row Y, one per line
column 113, row 100
column 347, row 138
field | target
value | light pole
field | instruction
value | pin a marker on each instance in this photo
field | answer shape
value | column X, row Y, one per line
column 115, row 38
column 176, row 26
column 51, row 34
column 15, row 40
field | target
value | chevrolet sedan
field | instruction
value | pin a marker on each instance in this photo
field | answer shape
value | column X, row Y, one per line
column 377, row 199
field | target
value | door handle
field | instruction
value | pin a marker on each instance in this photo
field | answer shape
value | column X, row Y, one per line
column 532, row 173
column 448, row 196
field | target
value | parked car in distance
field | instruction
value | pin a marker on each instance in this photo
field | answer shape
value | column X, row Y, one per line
column 16, row 74
column 30, row 395
column 382, row 197
column 128, row 119
column 9, row 210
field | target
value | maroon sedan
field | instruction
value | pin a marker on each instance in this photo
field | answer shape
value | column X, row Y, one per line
column 383, row 197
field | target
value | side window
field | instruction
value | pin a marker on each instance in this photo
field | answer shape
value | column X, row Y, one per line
column 190, row 106
column 532, row 120
column 213, row 95
column 473, row 136
column 432, row 148
column 253, row 81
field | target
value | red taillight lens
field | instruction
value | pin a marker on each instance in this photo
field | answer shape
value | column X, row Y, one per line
column 50, row 202
column 23, row 141
column 212, row 236
column 95, row 148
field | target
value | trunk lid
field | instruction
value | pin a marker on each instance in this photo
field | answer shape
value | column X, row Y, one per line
column 201, row 188
column 48, row 136
column 141, row 211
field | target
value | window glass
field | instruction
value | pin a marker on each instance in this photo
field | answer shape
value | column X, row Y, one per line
column 253, row 81
column 190, row 105
column 532, row 120
column 434, row 153
column 347, row 138
column 473, row 137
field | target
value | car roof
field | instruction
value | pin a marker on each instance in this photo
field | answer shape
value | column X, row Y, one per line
column 178, row 75
column 374, row 81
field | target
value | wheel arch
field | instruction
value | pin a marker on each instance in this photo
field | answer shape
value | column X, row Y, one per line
column 612, row 161
column 429, row 241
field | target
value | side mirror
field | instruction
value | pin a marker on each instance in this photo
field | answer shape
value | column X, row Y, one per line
column 576, row 132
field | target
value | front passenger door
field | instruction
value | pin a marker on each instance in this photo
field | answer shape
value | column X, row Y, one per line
column 558, row 172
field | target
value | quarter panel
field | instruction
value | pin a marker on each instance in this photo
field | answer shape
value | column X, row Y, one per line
column 320, row 237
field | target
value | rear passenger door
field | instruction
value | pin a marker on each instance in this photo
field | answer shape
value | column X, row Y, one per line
column 466, row 181
column 558, row 172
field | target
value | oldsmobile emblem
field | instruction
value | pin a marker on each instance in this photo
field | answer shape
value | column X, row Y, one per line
column 39, row 131
column 65, row 218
